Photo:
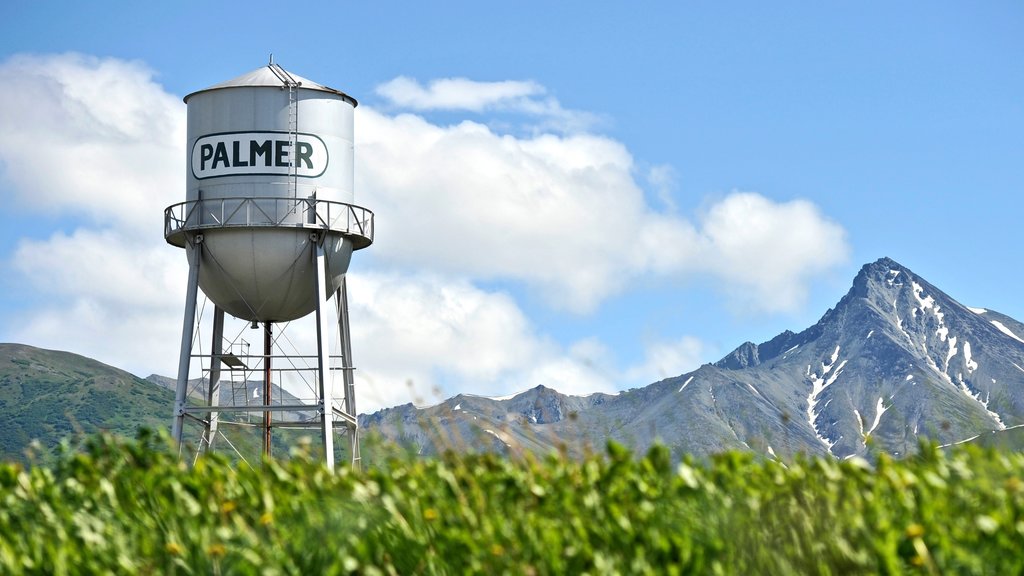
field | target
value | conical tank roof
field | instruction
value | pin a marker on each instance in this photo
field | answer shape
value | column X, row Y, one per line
column 271, row 75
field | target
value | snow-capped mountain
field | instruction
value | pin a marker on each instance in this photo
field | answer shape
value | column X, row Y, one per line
column 896, row 359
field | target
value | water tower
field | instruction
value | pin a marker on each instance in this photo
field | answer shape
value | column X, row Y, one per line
column 269, row 227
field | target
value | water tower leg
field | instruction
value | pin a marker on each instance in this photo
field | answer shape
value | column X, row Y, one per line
column 213, row 392
column 268, row 344
column 347, row 370
column 323, row 343
column 185, row 356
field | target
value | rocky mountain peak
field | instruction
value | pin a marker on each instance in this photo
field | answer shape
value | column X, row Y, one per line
column 894, row 360
column 746, row 355
column 749, row 354
column 879, row 276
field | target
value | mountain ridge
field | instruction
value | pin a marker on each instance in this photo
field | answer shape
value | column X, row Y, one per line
column 49, row 395
column 894, row 360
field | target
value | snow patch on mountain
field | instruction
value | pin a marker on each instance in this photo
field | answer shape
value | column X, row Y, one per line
column 754, row 390
column 502, row 398
column 891, row 279
column 1002, row 328
column 499, row 437
column 818, row 386
column 899, row 321
column 685, row 384
column 950, row 353
column 971, row 364
column 964, row 441
column 962, row 385
column 927, row 302
column 976, row 396
column 880, row 409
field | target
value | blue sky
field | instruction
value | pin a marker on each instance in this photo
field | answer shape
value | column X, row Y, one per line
column 589, row 196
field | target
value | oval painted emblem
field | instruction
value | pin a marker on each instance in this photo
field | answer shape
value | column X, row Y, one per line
column 259, row 154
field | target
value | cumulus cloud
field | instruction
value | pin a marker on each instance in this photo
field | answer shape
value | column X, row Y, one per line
column 558, row 212
column 458, row 93
column 419, row 334
column 422, row 337
column 130, row 274
column 561, row 213
column 662, row 180
column 91, row 137
column 766, row 254
column 666, row 360
column 109, row 297
column 463, row 94
column 565, row 215
column 99, row 140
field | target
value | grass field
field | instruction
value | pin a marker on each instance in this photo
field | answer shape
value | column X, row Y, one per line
column 130, row 507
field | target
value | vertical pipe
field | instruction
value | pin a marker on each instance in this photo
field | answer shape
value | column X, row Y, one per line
column 213, row 392
column 348, row 372
column 323, row 343
column 185, row 355
column 267, row 344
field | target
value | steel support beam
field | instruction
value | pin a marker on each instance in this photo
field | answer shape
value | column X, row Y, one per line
column 347, row 372
column 213, row 389
column 187, row 330
column 323, row 343
column 268, row 343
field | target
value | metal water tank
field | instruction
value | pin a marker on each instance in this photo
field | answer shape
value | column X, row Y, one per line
column 269, row 170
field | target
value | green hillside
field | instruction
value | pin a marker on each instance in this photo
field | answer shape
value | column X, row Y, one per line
column 48, row 395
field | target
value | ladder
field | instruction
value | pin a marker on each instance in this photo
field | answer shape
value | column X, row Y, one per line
column 289, row 82
column 238, row 369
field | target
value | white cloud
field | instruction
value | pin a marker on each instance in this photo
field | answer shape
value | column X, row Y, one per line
column 422, row 337
column 104, row 266
column 662, row 179
column 462, row 94
column 584, row 369
column 435, row 322
column 560, row 213
column 94, row 137
column 108, row 297
column 565, row 215
column 667, row 359
column 458, row 93
column 766, row 254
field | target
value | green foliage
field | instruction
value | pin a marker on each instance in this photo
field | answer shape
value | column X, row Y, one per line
column 48, row 395
column 131, row 507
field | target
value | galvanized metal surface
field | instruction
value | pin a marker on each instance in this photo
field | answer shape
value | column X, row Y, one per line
column 247, row 212
column 269, row 227
column 265, row 76
column 331, row 410
column 254, row 112
column 269, row 154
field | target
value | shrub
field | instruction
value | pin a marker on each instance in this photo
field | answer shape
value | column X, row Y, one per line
column 132, row 507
